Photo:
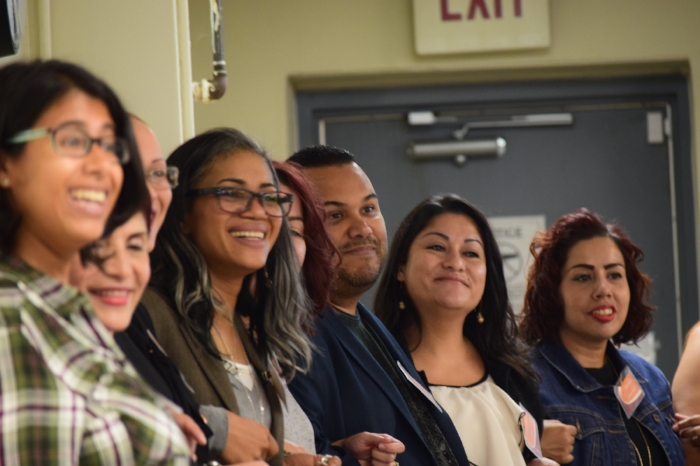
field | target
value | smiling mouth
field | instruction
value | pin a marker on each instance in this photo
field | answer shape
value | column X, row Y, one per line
column 259, row 235
column 608, row 311
column 90, row 195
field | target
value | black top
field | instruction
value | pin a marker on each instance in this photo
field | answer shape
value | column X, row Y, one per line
column 415, row 401
column 608, row 376
column 141, row 348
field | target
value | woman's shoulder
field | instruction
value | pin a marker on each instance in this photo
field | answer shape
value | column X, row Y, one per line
column 157, row 305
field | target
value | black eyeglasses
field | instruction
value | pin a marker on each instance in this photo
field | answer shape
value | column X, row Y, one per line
column 71, row 140
column 239, row 200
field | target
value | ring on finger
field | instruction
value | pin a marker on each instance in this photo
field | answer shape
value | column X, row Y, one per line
column 323, row 460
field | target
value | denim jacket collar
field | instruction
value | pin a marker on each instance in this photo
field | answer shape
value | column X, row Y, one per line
column 560, row 358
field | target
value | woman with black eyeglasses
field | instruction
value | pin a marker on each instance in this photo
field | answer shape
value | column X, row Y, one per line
column 226, row 297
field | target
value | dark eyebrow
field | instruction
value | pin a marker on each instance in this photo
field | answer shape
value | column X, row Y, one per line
column 614, row 264
column 334, row 204
column 590, row 267
column 583, row 266
column 447, row 238
column 243, row 183
column 232, row 180
column 342, row 204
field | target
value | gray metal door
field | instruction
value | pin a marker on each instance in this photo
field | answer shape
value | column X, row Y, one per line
column 603, row 161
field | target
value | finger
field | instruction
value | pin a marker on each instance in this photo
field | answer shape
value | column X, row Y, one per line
column 393, row 447
column 689, row 422
column 689, row 432
column 383, row 457
column 272, row 447
column 382, row 463
column 680, row 416
column 571, row 430
column 192, row 430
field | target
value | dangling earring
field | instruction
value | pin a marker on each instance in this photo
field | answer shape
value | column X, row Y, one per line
column 479, row 316
column 5, row 182
column 402, row 305
column 268, row 280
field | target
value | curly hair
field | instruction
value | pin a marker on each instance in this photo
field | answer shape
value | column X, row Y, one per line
column 543, row 311
column 318, row 269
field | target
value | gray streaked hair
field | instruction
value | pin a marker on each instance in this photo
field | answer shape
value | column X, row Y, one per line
column 278, row 313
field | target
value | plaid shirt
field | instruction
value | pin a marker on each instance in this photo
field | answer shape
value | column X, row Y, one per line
column 67, row 394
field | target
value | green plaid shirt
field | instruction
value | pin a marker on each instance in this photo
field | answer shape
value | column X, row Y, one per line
column 67, row 394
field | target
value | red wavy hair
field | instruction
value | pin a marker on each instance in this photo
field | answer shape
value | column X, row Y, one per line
column 318, row 269
column 543, row 312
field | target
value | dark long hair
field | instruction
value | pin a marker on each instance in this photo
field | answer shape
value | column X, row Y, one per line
column 27, row 90
column 543, row 312
column 277, row 315
column 318, row 267
column 496, row 338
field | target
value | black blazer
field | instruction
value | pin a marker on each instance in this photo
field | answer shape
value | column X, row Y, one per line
column 347, row 392
column 158, row 370
column 519, row 388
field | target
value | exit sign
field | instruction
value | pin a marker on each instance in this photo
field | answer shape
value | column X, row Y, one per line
column 453, row 26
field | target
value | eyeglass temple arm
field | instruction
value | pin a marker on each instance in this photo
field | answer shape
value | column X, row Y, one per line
column 28, row 135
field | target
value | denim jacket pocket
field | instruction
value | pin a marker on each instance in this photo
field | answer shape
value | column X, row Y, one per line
column 590, row 439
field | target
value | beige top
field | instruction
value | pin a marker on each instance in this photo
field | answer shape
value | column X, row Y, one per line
column 486, row 419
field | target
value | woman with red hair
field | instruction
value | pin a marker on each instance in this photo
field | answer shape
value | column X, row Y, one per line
column 585, row 295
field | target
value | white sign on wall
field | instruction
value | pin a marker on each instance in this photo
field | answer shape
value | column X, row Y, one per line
column 452, row 26
column 514, row 235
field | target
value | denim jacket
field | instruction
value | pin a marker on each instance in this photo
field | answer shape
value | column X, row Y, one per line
column 574, row 397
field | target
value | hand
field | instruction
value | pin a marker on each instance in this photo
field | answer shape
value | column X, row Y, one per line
column 542, row 462
column 193, row 434
column 558, row 441
column 291, row 447
column 372, row 449
column 688, row 427
column 307, row 459
column 247, row 441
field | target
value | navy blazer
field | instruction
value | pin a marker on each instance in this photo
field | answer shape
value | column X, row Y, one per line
column 347, row 392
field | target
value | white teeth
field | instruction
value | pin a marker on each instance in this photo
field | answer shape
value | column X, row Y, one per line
column 603, row 312
column 89, row 195
column 248, row 234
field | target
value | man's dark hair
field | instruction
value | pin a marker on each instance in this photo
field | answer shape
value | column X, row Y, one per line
column 321, row 156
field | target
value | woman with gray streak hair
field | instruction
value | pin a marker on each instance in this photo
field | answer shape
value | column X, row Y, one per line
column 226, row 298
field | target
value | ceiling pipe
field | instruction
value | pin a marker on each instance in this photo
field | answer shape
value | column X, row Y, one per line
column 215, row 88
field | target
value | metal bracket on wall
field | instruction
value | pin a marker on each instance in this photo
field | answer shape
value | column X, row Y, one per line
column 215, row 88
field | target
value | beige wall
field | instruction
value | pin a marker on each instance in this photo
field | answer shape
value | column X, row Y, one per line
column 131, row 44
column 274, row 46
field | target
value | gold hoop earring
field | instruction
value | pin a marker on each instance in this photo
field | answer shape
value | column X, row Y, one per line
column 479, row 315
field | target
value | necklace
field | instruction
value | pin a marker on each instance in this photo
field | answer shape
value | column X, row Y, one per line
column 230, row 366
column 639, row 456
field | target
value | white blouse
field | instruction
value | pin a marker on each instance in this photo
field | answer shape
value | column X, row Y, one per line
column 487, row 420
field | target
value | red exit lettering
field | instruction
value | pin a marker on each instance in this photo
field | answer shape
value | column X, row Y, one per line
column 480, row 7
